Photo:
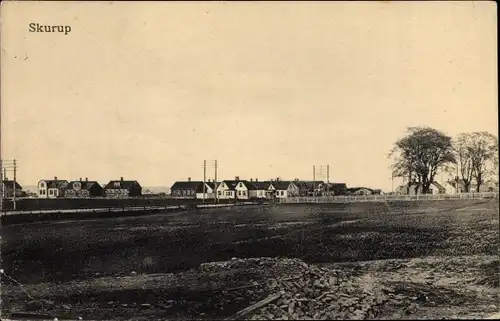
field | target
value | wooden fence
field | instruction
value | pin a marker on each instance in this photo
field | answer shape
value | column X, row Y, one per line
column 388, row 198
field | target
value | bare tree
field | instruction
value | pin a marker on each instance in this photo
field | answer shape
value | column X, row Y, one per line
column 463, row 156
column 484, row 156
column 421, row 154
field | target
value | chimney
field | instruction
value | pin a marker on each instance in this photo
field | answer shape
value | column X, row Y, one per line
column 121, row 179
column 55, row 178
column 251, row 179
column 86, row 179
column 189, row 179
column 256, row 179
column 80, row 179
column 237, row 178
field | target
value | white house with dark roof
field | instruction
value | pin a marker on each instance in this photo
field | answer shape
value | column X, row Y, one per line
column 261, row 190
column 227, row 189
column 51, row 188
column 284, row 189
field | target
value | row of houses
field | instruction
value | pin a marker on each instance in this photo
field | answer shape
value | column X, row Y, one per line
column 83, row 188
column 254, row 189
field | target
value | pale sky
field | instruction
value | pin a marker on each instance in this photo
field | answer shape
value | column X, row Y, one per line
column 147, row 91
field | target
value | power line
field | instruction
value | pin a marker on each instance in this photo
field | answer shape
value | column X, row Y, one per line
column 5, row 166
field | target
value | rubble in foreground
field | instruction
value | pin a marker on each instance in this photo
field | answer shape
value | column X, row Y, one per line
column 295, row 290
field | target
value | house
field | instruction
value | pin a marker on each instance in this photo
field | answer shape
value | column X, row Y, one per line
column 416, row 189
column 8, row 188
column 53, row 188
column 84, row 189
column 243, row 189
column 309, row 188
column 122, row 188
column 192, row 189
column 437, row 188
column 227, row 189
column 284, row 189
column 261, row 190
column 456, row 186
column 359, row 191
column 335, row 188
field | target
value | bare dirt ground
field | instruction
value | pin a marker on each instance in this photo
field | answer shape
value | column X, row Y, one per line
column 420, row 260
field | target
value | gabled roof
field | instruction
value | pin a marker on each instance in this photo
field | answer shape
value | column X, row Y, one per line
column 261, row 185
column 355, row 189
column 212, row 185
column 439, row 186
column 85, row 184
column 10, row 184
column 249, row 185
column 55, row 183
column 414, row 185
column 231, row 184
column 453, row 183
column 308, row 184
column 123, row 184
column 186, row 185
column 281, row 185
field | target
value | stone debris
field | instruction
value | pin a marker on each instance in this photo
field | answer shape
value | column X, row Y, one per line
column 305, row 292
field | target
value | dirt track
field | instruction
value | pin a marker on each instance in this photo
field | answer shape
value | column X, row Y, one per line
column 85, row 266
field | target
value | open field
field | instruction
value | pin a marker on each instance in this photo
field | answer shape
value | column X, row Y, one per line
column 444, row 250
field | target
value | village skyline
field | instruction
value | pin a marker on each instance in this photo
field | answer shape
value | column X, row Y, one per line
column 268, row 92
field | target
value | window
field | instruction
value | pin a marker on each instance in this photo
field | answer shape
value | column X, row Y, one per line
column 244, row 193
column 282, row 193
column 239, row 193
column 42, row 185
column 219, row 193
column 51, row 192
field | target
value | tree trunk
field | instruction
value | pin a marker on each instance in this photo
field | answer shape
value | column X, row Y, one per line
column 479, row 182
column 466, row 187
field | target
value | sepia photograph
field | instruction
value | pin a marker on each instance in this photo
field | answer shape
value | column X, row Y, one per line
column 249, row 160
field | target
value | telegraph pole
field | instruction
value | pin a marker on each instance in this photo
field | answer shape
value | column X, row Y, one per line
column 209, row 165
column 204, row 178
column 327, row 179
column 1, row 185
column 216, row 197
column 314, row 180
column 4, row 166
column 14, row 186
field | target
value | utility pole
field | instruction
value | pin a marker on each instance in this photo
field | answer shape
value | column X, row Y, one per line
column 314, row 180
column 327, row 179
column 216, row 197
column 204, row 178
column 1, row 185
column 14, row 186
column 4, row 166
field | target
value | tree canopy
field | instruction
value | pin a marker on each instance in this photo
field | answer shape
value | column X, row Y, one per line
column 421, row 154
